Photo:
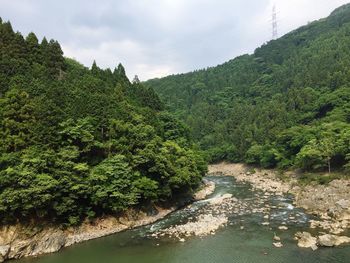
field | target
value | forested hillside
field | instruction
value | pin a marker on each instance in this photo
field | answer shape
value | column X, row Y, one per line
column 78, row 142
column 286, row 105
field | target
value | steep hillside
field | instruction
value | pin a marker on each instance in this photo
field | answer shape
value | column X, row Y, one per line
column 288, row 104
column 78, row 143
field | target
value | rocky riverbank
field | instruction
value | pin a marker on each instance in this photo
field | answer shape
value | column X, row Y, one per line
column 208, row 216
column 17, row 241
column 207, row 223
column 330, row 203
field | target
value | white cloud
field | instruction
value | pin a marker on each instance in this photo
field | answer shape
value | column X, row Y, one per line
column 106, row 54
column 158, row 37
column 109, row 54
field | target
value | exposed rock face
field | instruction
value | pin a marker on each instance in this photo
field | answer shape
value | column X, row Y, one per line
column 306, row 240
column 47, row 241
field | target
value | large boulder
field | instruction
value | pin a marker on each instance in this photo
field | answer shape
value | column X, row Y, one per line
column 328, row 240
column 4, row 251
column 306, row 240
column 50, row 242
column 343, row 203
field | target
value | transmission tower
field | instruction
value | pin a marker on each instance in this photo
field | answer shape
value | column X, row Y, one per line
column 274, row 23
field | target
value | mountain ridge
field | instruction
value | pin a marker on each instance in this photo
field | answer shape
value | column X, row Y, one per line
column 239, row 110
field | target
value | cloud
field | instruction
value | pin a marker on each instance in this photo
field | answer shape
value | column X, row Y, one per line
column 155, row 38
column 129, row 53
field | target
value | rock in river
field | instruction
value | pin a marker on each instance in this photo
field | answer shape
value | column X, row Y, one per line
column 278, row 244
column 4, row 250
column 306, row 240
column 328, row 240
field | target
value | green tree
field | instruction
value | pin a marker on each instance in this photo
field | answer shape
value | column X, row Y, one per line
column 112, row 186
column 17, row 120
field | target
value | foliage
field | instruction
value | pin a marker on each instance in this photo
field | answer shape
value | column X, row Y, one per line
column 78, row 142
column 286, row 105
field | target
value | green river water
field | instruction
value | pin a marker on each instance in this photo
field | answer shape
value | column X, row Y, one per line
column 230, row 244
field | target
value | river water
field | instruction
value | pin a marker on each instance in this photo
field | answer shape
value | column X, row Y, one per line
column 243, row 240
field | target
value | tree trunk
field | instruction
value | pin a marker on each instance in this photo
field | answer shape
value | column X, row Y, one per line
column 329, row 165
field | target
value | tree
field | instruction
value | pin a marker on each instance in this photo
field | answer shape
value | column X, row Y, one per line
column 33, row 48
column 78, row 143
column 280, row 96
column 136, row 80
column 17, row 120
column 95, row 70
column 52, row 57
column 112, row 186
column 327, row 147
column 317, row 154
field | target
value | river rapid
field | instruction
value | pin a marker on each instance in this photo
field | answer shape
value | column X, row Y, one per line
column 248, row 235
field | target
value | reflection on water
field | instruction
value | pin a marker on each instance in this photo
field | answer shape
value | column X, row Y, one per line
column 244, row 239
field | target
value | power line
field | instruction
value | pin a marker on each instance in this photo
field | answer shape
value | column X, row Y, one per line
column 274, row 23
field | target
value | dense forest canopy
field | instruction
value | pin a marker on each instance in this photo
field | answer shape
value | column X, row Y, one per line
column 286, row 105
column 77, row 143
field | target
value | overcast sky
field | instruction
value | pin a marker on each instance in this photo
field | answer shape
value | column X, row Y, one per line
column 154, row 38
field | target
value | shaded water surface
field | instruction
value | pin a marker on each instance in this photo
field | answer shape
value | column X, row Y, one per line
column 244, row 239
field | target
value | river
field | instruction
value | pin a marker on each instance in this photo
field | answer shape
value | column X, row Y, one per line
column 244, row 239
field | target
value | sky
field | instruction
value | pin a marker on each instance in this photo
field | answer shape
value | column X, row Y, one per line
column 155, row 38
